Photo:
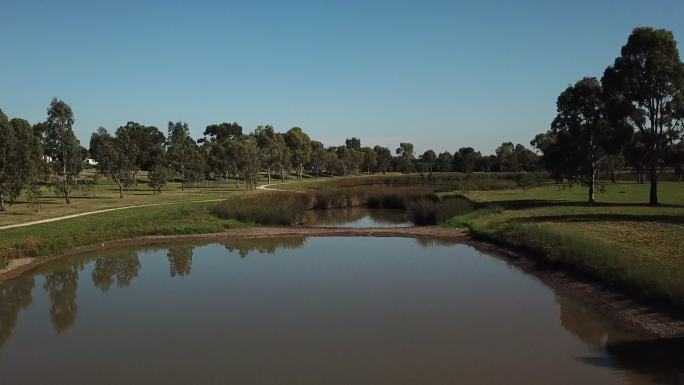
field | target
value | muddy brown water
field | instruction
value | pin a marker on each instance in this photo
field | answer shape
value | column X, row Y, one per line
column 322, row 310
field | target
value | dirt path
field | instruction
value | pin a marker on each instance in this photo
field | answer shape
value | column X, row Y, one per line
column 55, row 219
column 267, row 187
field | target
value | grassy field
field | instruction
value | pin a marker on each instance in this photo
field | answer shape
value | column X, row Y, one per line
column 105, row 195
column 620, row 239
column 51, row 238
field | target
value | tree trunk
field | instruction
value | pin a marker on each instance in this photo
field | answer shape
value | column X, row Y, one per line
column 120, row 189
column 269, row 176
column 2, row 202
column 592, row 182
column 653, row 196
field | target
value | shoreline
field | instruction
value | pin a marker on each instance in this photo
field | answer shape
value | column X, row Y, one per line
column 634, row 315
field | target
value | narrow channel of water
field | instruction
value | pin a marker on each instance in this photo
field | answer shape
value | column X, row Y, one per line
column 329, row 310
column 357, row 217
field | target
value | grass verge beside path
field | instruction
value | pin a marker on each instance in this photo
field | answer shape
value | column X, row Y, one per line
column 620, row 240
column 51, row 238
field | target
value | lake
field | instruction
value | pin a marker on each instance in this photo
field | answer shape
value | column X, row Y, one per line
column 328, row 310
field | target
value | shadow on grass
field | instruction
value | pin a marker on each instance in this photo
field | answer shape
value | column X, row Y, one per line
column 522, row 204
column 671, row 219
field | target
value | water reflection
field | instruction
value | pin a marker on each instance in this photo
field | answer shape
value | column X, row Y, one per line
column 180, row 260
column 122, row 268
column 13, row 298
column 642, row 361
column 61, row 287
column 264, row 246
column 357, row 217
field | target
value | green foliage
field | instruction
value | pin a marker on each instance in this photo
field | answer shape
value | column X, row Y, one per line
column 158, row 178
column 189, row 218
column 115, row 156
column 20, row 154
column 645, row 88
column 183, row 154
column 299, row 148
column 144, row 144
column 62, row 147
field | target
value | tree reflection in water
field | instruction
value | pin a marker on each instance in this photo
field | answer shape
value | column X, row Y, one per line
column 13, row 298
column 264, row 246
column 180, row 260
column 123, row 268
column 61, row 287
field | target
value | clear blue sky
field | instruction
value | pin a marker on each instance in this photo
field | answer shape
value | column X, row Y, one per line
column 441, row 74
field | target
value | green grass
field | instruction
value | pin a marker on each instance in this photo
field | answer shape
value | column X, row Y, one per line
column 619, row 240
column 105, row 195
column 52, row 238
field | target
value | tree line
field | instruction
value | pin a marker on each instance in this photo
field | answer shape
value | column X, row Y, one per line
column 632, row 116
column 49, row 153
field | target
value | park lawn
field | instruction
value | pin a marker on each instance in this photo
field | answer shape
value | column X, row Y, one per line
column 620, row 239
column 105, row 195
column 50, row 238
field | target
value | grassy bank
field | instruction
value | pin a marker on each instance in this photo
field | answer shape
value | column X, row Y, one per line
column 52, row 238
column 619, row 240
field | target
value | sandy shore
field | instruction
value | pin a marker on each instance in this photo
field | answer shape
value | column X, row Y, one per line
column 637, row 316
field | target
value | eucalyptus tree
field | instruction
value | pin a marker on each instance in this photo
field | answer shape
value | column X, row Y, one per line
column 524, row 159
column 384, row 158
column 584, row 132
column 19, row 153
column 62, row 147
column 406, row 157
column 183, row 154
column 343, row 156
column 248, row 159
column 504, row 156
column 285, row 156
column 444, row 162
column 645, row 86
column 158, row 176
column 370, row 160
column 300, row 150
column 147, row 141
column 115, row 156
column 272, row 149
column 317, row 163
column 220, row 149
column 466, row 159
column 427, row 160
column 332, row 162
column 354, row 156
